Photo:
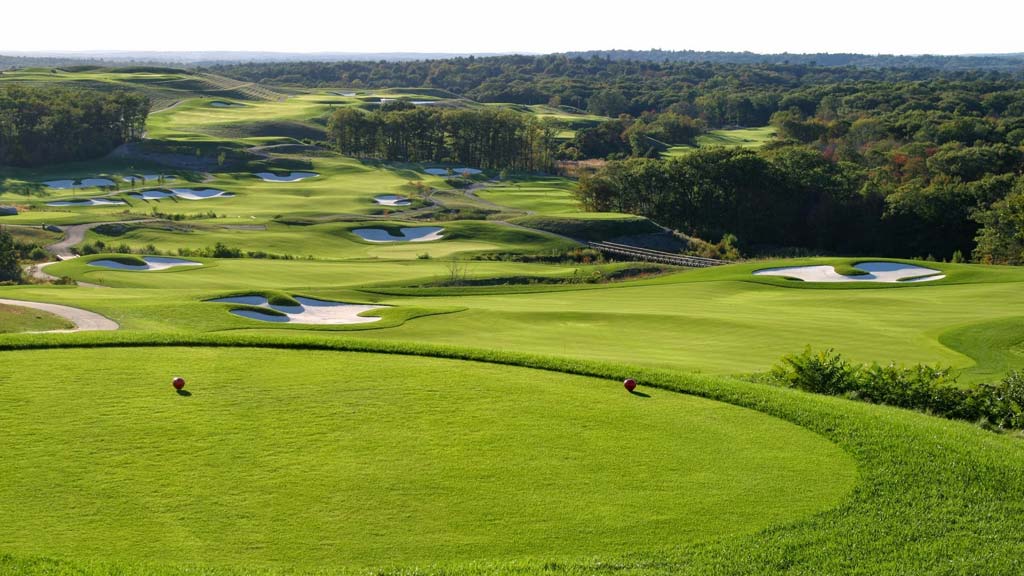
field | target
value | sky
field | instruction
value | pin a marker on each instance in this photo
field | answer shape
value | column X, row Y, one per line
column 524, row 26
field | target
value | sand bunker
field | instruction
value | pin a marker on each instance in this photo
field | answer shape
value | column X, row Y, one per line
column 143, row 178
column 454, row 171
column 309, row 311
column 876, row 272
column 290, row 177
column 84, row 183
column 392, row 200
column 87, row 202
column 418, row 234
column 183, row 193
column 152, row 263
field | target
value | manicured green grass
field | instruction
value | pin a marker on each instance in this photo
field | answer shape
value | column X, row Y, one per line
column 296, row 456
column 335, row 241
column 325, row 459
column 735, row 138
column 548, row 196
column 15, row 319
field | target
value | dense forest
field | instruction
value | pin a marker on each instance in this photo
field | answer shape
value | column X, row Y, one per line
column 500, row 139
column 51, row 125
column 720, row 93
column 1004, row 62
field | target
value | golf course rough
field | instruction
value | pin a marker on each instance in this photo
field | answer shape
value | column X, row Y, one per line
column 320, row 459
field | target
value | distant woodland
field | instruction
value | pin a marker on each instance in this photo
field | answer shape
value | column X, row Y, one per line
column 498, row 139
column 52, row 125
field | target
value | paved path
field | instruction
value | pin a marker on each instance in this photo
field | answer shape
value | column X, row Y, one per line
column 82, row 319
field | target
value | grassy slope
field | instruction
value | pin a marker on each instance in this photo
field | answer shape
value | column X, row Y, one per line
column 21, row 319
column 464, row 461
column 735, row 138
column 543, row 196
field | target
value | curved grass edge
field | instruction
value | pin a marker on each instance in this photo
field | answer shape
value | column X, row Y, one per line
column 933, row 496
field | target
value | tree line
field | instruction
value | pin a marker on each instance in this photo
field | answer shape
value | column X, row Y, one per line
column 489, row 138
column 791, row 199
column 718, row 93
column 53, row 125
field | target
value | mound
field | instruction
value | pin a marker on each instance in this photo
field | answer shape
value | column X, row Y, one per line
column 328, row 459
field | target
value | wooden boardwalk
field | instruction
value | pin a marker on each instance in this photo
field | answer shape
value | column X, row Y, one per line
column 646, row 254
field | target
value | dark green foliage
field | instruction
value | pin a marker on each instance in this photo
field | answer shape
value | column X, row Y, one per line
column 927, row 388
column 498, row 139
column 1001, row 238
column 46, row 126
column 10, row 270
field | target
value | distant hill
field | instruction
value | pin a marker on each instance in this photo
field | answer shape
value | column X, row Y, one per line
column 204, row 58
column 1002, row 62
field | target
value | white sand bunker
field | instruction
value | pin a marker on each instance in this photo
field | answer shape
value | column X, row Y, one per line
column 290, row 177
column 151, row 263
column 309, row 311
column 78, row 184
column 467, row 171
column 876, row 272
column 392, row 200
column 437, row 171
column 87, row 202
column 143, row 178
column 183, row 193
column 418, row 234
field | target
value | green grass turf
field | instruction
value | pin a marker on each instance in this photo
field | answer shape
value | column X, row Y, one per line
column 932, row 496
column 543, row 196
column 718, row 321
column 735, row 138
column 20, row 319
column 316, row 459
column 336, row 240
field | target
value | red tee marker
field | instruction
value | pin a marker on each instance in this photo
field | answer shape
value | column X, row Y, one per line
column 178, row 383
column 630, row 384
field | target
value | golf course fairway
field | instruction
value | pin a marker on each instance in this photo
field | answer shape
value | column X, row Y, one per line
column 328, row 459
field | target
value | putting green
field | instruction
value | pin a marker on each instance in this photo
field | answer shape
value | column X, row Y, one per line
column 320, row 459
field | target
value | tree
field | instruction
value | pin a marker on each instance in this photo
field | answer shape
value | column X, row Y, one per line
column 608, row 102
column 10, row 270
column 1001, row 238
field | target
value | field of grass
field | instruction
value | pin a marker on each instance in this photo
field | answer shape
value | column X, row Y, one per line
column 465, row 462
column 15, row 319
column 472, row 429
column 734, row 138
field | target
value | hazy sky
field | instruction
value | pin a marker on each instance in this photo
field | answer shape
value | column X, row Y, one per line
column 866, row 26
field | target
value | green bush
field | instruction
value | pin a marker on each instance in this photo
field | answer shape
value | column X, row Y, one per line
column 929, row 389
